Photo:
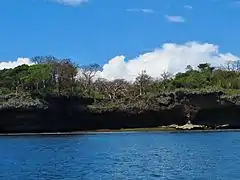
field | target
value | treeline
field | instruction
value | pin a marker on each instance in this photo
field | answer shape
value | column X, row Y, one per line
column 63, row 77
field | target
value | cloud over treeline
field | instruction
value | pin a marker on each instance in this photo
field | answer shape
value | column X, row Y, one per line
column 170, row 57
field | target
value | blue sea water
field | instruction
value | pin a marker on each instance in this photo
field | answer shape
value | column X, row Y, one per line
column 123, row 156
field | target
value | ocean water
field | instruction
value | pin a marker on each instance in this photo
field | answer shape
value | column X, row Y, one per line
column 123, row 156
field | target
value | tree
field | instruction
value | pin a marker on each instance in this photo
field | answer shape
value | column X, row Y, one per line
column 39, row 75
column 115, row 89
column 62, row 73
column 18, row 76
column 226, row 79
column 189, row 68
column 52, row 75
column 166, row 76
column 233, row 65
column 204, row 66
column 87, row 73
column 237, row 65
column 43, row 59
column 65, row 73
column 142, row 81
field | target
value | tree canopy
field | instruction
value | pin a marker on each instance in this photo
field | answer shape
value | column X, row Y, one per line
column 61, row 76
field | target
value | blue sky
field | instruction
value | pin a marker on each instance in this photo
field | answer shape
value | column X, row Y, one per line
column 98, row 30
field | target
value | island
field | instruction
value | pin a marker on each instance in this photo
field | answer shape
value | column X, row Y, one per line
column 56, row 95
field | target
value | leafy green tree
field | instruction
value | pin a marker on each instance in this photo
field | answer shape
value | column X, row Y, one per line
column 38, row 76
column 18, row 77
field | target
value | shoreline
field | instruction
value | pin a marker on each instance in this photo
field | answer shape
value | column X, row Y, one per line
column 108, row 131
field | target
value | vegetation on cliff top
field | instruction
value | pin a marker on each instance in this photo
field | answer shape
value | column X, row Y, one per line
column 50, row 75
column 36, row 98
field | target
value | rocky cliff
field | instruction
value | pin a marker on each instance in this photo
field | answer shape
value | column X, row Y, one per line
column 25, row 113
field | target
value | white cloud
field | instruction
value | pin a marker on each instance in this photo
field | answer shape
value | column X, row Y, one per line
column 71, row 2
column 188, row 7
column 176, row 19
column 141, row 10
column 170, row 57
column 13, row 64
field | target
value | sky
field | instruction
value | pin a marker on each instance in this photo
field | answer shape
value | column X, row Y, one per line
column 125, row 37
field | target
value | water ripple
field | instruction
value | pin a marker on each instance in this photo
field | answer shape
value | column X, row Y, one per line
column 133, row 156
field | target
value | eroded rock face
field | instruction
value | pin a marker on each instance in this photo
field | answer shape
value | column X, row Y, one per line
column 213, row 109
column 56, row 114
column 23, row 101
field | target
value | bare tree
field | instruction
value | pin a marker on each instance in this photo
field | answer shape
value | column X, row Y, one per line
column 166, row 76
column 87, row 75
column 116, row 89
column 233, row 65
column 142, row 81
column 236, row 65
column 43, row 59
